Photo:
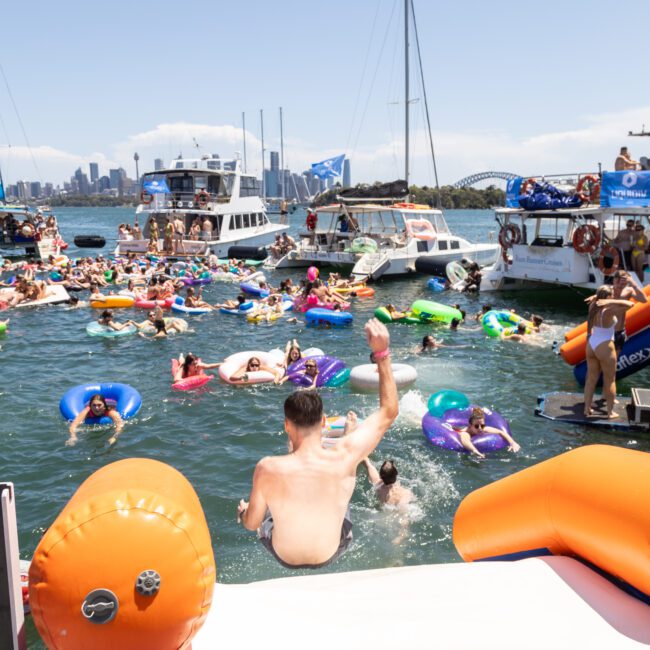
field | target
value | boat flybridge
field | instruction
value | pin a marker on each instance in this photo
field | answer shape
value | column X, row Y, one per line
column 570, row 247
column 381, row 237
column 198, row 188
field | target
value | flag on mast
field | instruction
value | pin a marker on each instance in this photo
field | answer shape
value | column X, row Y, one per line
column 328, row 168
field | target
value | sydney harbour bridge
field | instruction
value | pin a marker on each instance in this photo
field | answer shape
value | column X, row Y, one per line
column 483, row 176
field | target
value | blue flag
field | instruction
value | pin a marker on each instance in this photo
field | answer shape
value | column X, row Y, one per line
column 328, row 168
column 625, row 189
column 156, row 187
column 512, row 192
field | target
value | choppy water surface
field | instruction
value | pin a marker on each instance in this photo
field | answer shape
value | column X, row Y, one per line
column 216, row 437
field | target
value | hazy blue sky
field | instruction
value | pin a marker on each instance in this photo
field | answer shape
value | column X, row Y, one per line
column 511, row 86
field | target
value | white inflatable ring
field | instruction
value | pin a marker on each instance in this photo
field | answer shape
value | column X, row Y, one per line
column 455, row 272
column 366, row 377
column 235, row 361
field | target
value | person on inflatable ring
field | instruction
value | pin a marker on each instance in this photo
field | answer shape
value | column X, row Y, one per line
column 476, row 426
column 190, row 366
column 97, row 408
column 311, row 372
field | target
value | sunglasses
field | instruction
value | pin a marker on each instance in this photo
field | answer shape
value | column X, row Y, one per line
column 254, row 365
column 479, row 426
column 310, row 365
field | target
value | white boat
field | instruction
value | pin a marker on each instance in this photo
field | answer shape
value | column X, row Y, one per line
column 570, row 247
column 198, row 188
column 21, row 228
column 383, row 239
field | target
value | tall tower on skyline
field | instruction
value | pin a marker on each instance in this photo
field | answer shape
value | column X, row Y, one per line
column 158, row 164
column 275, row 160
column 94, row 171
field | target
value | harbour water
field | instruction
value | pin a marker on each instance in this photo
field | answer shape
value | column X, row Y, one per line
column 215, row 437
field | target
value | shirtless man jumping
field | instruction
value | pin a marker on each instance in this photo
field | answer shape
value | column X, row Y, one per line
column 299, row 502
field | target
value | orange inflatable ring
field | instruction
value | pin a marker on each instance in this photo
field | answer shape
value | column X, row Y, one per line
column 586, row 239
column 312, row 220
column 612, row 253
column 526, row 184
column 509, row 235
column 202, row 198
column 128, row 563
column 594, row 188
column 406, row 206
column 590, row 502
column 145, row 197
column 504, row 255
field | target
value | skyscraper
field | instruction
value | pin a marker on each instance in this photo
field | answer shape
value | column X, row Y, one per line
column 94, row 172
column 158, row 164
column 346, row 173
column 275, row 160
column 82, row 182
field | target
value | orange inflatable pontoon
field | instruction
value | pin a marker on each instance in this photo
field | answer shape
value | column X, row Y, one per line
column 637, row 318
column 127, row 564
column 591, row 502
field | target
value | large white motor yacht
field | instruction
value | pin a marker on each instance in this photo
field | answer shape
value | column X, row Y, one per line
column 194, row 189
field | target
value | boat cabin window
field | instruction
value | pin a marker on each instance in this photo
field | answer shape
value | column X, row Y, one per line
column 454, row 244
column 214, row 164
column 200, row 183
column 439, row 223
column 377, row 222
column 550, row 232
column 237, row 221
column 261, row 219
column 247, row 221
column 442, row 245
column 181, row 184
column 248, row 186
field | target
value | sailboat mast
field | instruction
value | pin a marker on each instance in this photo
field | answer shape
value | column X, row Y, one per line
column 406, row 91
column 281, row 153
column 262, row 125
column 243, row 128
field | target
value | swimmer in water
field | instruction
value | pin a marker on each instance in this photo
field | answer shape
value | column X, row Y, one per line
column 430, row 343
column 310, row 372
column 97, row 407
column 389, row 490
column 106, row 319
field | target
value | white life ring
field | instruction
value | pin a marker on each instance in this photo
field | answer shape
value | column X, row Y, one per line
column 235, row 361
column 366, row 377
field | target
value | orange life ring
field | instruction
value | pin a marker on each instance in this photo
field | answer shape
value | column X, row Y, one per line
column 202, row 198
column 594, row 191
column 312, row 220
column 409, row 206
column 525, row 185
column 509, row 235
column 586, row 239
column 608, row 251
column 504, row 255
column 145, row 197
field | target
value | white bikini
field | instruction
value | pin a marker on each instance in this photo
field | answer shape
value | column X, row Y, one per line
column 601, row 334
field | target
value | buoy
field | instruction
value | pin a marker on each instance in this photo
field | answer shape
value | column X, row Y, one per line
column 312, row 273
column 128, row 563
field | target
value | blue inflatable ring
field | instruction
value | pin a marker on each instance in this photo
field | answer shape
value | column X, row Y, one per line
column 127, row 401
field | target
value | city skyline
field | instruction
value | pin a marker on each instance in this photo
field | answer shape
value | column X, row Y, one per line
column 298, row 186
column 498, row 98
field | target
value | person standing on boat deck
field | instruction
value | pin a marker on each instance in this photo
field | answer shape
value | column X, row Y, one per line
column 137, row 231
column 639, row 247
column 283, row 211
column 623, row 241
column 168, row 244
column 299, row 502
column 624, row 161
column 179, row 235
column 206, row 229
column 153, row 232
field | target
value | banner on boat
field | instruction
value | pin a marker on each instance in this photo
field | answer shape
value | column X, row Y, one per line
column 512, row 192
column 156, row 187
column 625, row 189
column 328, row 168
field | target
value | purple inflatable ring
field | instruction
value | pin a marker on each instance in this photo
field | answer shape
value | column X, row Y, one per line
column 443, row 432
column 189, row 282
column 327, row 368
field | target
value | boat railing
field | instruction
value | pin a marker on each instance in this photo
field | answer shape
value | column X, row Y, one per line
column 185, row 201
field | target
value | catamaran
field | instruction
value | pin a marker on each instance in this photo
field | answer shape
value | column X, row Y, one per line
column 381, row 237
column 196, row 188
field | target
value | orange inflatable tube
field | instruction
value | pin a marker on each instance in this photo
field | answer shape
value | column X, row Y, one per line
column 127, row 564
column 591, row 502
column 582, row 328
column 636, row 319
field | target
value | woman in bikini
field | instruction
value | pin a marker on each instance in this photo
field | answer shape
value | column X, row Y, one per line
column 601, row 353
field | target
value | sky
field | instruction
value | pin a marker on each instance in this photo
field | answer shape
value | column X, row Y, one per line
column 531, row 89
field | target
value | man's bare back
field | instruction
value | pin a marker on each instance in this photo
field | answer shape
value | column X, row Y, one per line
column 308, row 491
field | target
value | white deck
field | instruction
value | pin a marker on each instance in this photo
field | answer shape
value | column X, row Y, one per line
column 545, row 603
